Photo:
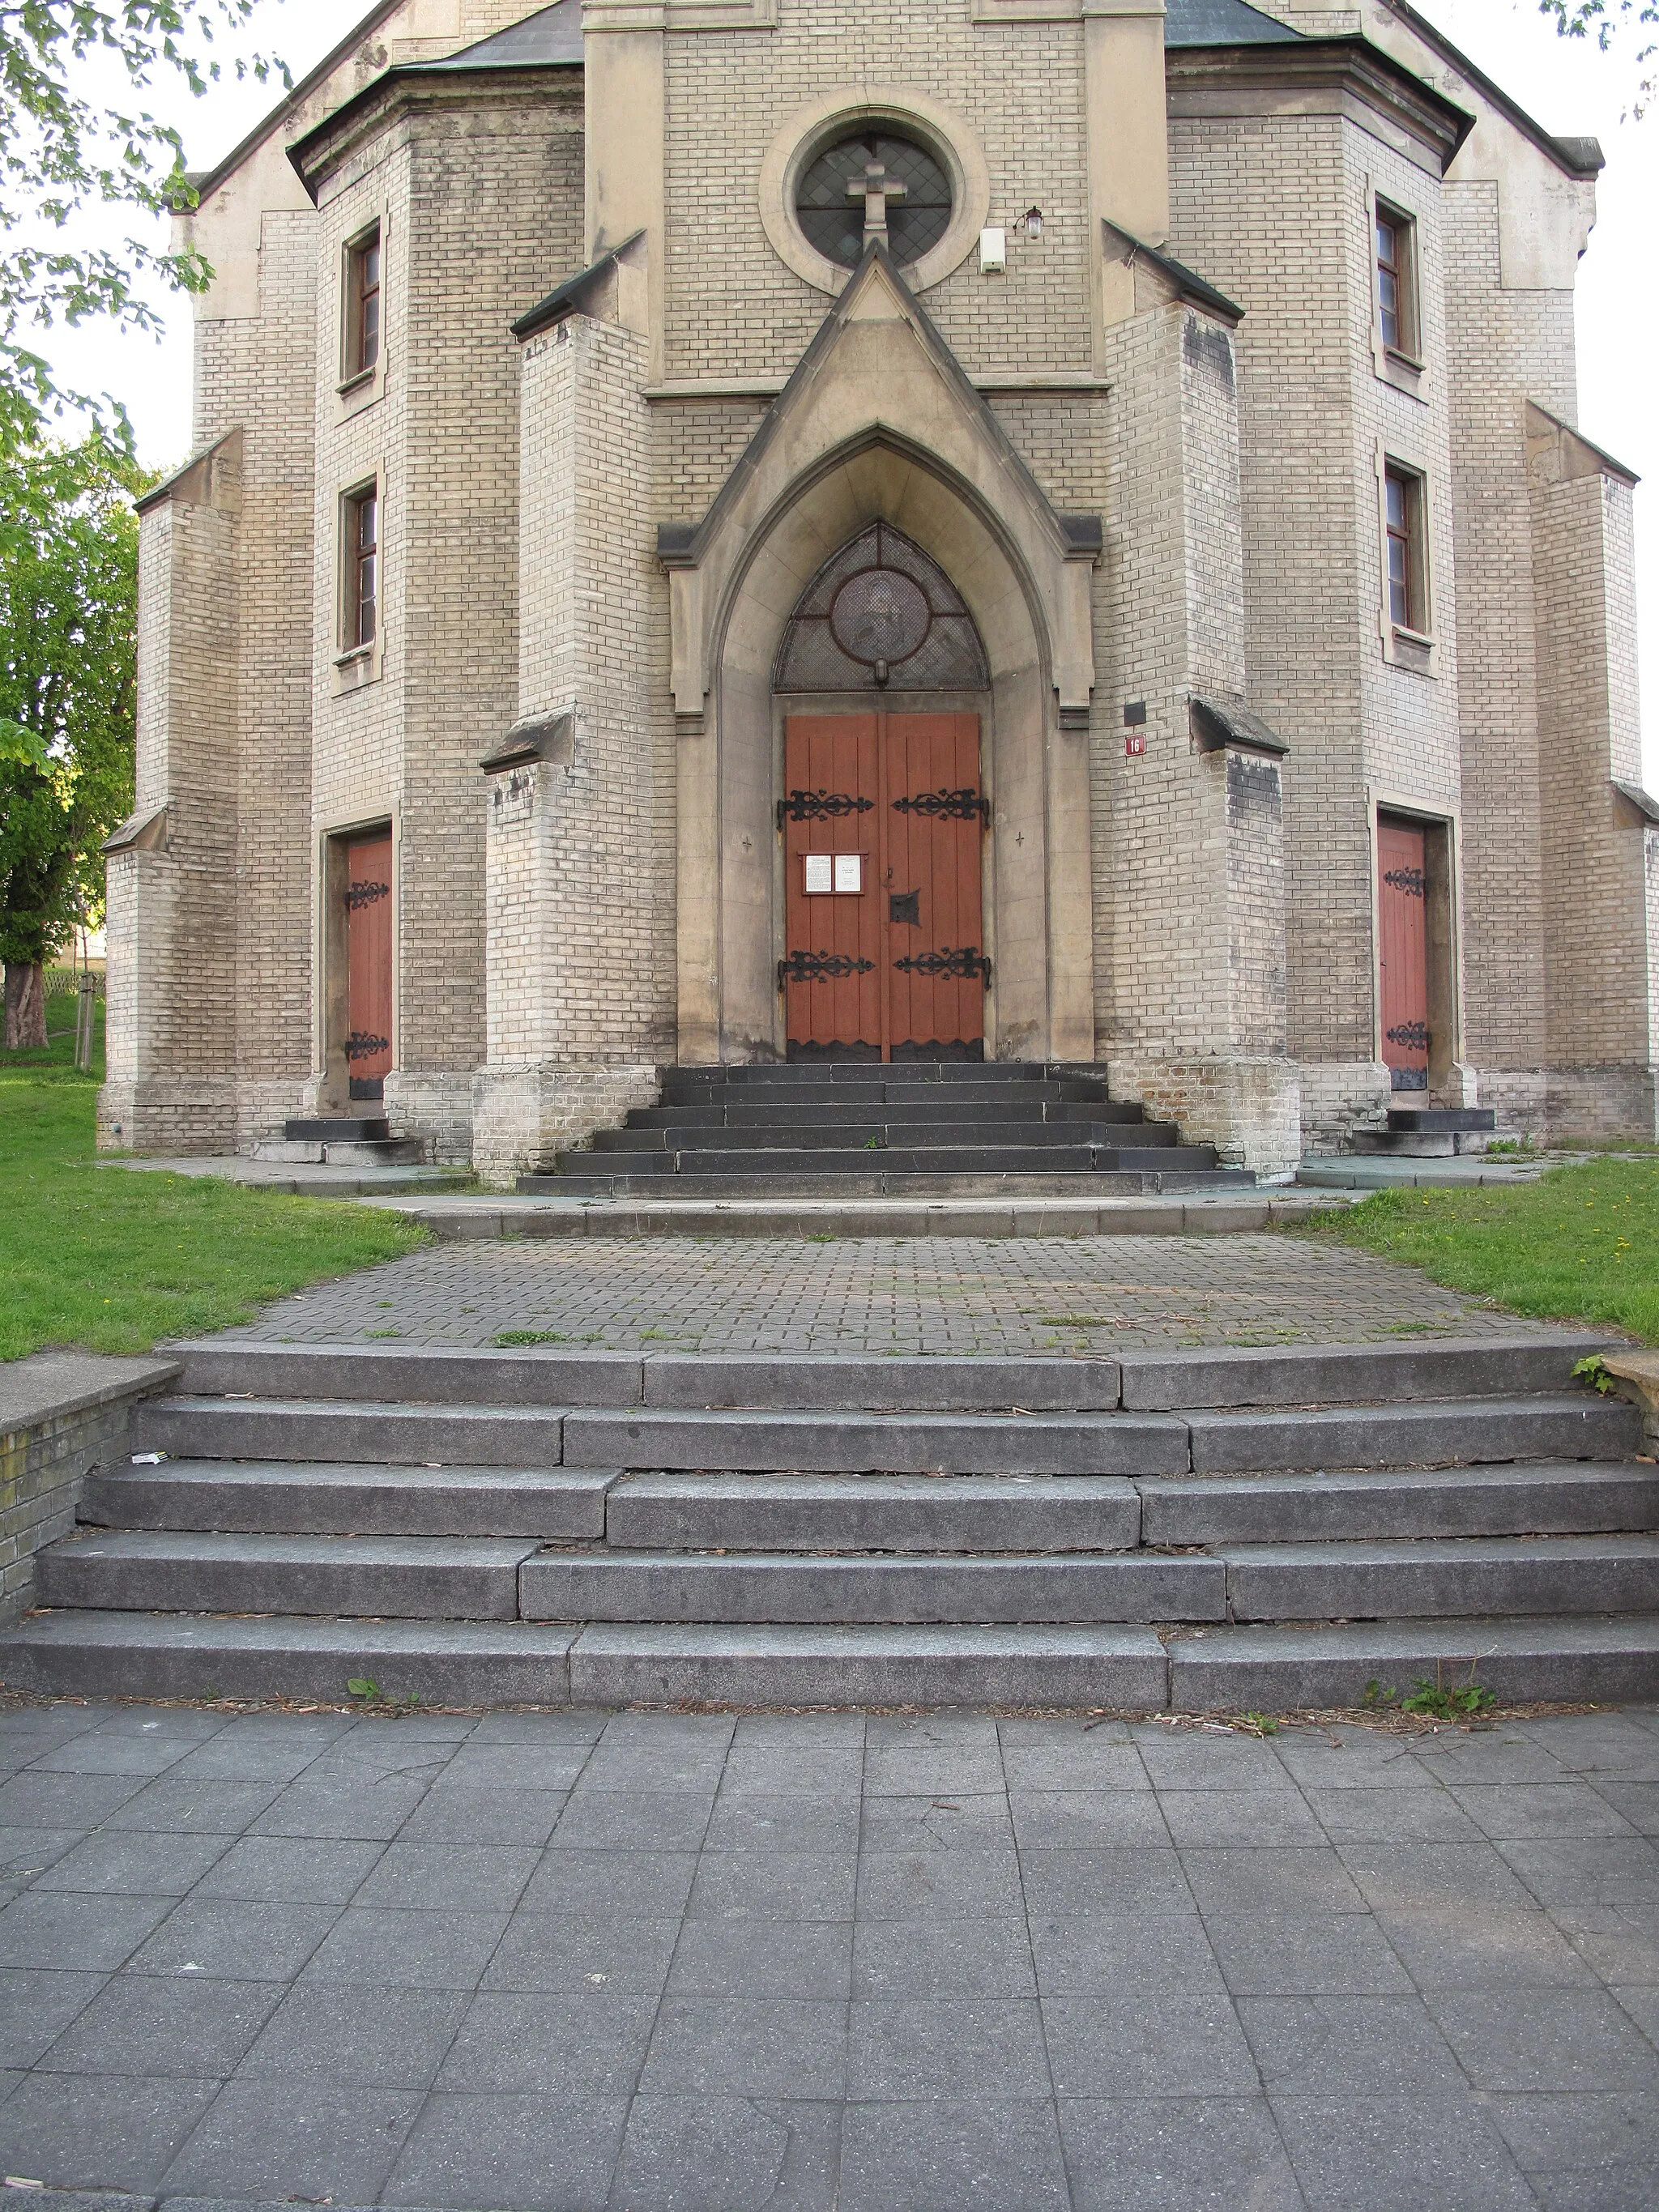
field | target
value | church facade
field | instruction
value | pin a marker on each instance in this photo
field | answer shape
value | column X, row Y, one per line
column 725, row 531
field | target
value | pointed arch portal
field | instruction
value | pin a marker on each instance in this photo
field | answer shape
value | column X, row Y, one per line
column 879, row 445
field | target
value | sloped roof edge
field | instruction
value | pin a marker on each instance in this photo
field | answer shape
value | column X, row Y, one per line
column 1579, row 157
column 565, row 295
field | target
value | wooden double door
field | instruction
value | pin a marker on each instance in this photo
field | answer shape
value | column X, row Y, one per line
column 883, row 815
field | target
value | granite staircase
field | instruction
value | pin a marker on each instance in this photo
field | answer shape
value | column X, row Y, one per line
column 1206, row 1530
column 864, row 1128
column 1429, row 1132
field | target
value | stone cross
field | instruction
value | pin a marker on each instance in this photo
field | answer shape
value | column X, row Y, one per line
column 875, row 190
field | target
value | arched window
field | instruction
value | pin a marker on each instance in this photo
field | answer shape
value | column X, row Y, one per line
column 880, row 613
column 829, row 199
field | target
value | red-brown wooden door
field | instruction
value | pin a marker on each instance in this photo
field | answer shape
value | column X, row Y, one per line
column 883, row 815
column 368, row 962
column 1402, row 914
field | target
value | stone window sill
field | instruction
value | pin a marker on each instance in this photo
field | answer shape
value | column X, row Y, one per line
column 1415, row 649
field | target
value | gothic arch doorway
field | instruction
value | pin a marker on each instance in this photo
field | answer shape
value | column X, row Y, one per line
column 881, row 680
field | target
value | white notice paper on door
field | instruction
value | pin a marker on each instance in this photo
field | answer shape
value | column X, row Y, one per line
column 819, row 871
column 849, row 871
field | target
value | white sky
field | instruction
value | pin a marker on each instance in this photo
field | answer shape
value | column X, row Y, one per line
column 1567, row 86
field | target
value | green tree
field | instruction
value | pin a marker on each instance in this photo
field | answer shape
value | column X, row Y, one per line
column 69, row 591
column 64, row 150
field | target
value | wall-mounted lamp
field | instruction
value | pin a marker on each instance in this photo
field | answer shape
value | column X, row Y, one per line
column 1030, row 225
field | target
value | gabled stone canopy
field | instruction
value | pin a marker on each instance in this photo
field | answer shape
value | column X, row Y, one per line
column 878, row 373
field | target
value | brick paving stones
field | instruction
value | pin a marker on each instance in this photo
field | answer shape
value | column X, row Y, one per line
column 961, row 1295
column 828, row 1961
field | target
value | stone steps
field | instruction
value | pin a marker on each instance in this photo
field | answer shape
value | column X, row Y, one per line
column 861, row 1127
column 1208, row 1527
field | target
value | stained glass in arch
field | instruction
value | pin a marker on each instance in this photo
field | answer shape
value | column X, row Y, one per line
column 880, row 614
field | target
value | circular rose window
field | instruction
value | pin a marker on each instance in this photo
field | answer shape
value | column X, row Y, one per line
column 830, row 199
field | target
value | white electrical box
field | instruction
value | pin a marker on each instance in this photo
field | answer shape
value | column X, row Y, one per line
column 993, row 252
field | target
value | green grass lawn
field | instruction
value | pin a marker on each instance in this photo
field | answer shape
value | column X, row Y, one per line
column 112, row 1261
column 1582, row 1243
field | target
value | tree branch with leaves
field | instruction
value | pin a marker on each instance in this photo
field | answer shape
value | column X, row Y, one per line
column 1611, row 24
column 64, row 151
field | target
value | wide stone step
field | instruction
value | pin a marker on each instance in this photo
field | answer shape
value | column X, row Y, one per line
column 141, row 1655
column 1454, row 1119
column 817, row 1074
column 551, row 1375
column 1315, row 1376
column 742, row 1111
column 1145, row 1382
column 1460, row 1575
column 761, row 1586
column 1610, row 1661
column 894, row 1443
column 1446, row 1433
column 337, row 1129
column 1217, row 1668
column 831, row 1513
column 407, row 1435
column 964, row 1158
column 956, row 1135
column 919, row 1103
column 309, row 1499
column 406, row 1578
column 801, row 1184
column 1550, row 1497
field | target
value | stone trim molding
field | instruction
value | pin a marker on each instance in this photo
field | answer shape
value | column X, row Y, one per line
column 680, row 16
column 144, row 831
column 550, row 737
column 816, row 124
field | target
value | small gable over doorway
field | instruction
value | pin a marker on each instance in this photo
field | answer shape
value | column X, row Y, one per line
column 880, row 612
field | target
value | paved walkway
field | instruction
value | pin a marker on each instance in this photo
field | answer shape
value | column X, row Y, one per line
column 653, row 1963
column 1004, row 1295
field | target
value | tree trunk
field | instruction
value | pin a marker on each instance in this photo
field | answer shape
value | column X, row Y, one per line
column 26, row 1006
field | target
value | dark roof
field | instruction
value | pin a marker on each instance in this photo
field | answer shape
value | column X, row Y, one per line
column 554, row 34
column 1222, row 23
column 564, row 296
column 1187, row 282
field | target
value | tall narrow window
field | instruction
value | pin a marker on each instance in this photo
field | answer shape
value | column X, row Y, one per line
column 363, row 304
column 1408, row 567
column 362, row 567
column 1396, row 279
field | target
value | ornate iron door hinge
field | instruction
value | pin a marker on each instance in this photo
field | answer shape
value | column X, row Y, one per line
column 820, row 967
column 359, row 1046
column 1413, row 1035
column 946, row 805
column 366, row 894
column 821, row 807
column 1409, row 880
column 967, row 960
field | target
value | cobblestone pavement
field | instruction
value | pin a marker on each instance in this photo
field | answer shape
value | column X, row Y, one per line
column 665, row 1963
column 902, row 1295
